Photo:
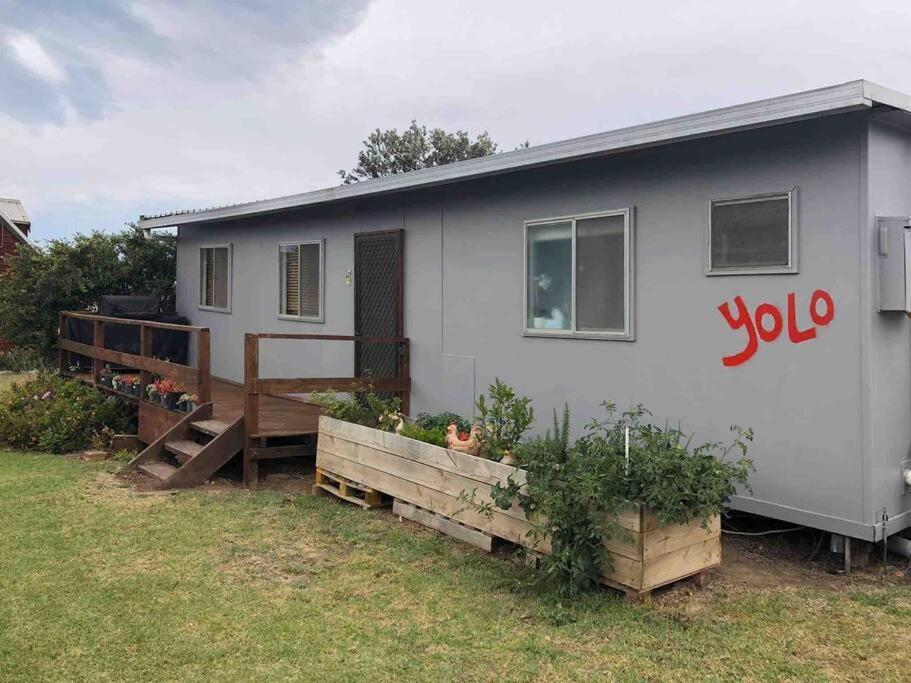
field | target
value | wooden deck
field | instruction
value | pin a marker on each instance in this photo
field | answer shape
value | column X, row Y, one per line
column 264, row 418
column 277, row 416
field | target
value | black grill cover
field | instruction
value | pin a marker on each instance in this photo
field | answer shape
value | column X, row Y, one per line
column 169, row 345
column 135, row 307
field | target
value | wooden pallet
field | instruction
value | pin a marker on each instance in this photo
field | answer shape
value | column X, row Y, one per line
column 443, row 524
column 348, row 490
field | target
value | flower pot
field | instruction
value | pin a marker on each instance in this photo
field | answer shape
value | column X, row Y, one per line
column 171, row 398
column 116, row 385
column 508, row 458
column 153, row 397
column 106, row 381
column 189, row 406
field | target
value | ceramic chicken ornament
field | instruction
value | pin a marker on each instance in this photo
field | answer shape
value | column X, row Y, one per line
column 469, row 445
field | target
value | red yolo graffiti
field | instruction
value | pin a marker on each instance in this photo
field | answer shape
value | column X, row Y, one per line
column 766, row 323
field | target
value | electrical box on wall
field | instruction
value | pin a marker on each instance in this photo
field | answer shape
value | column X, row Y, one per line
column 893, row 244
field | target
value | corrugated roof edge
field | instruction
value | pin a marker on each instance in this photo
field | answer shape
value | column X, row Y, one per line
column 16, row 205
column 849, row 96
column 14, row 229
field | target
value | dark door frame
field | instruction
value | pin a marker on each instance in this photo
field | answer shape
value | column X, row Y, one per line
column 399, row 233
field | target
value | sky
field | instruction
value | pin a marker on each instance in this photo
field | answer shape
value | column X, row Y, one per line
column 109, row 110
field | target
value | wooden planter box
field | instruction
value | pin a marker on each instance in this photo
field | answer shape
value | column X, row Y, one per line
column 646, row 556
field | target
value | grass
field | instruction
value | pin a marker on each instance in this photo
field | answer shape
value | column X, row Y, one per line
column 8, row 380
column 98, row 582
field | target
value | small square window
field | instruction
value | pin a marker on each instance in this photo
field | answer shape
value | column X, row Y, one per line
column 215, row 278
column 753, row 234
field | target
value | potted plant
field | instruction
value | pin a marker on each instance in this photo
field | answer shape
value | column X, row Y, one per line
column 152, row 392
column 106, row 378
column 169, row 392
column 128, row 384
column 116, row 382
column 189, row 402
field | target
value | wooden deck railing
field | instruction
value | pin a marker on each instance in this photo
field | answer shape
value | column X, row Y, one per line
column 199, row 377
column 256, row 386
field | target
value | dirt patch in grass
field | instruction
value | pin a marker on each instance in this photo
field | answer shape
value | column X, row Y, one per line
column 290, row 562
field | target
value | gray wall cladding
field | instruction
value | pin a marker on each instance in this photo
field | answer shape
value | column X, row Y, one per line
column 464, row 314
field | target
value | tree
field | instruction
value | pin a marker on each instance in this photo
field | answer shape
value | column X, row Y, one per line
column 387, row 152
column 70, row 275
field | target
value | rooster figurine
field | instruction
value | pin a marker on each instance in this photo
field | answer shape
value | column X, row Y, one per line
column 469, row 444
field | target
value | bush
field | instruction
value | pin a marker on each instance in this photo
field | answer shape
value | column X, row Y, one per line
column 504, row 420
column 442, row 420
column 574, row 492
column 71, row 275
column 363, row 407
column 59, row 415
column 22, row 359
column 432, row 435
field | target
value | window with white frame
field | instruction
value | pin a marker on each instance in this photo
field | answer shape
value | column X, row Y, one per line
column 755, row 234
column 301, row 281
column 215, row 277
column 578, row 276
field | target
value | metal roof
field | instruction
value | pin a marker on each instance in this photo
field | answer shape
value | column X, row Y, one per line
column 14, row 211
column 851, row 96
column 11, row 224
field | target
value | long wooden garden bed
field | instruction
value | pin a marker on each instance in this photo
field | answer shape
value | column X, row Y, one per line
column 648, row 555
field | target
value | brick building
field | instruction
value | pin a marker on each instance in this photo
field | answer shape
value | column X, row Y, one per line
column 14, row 231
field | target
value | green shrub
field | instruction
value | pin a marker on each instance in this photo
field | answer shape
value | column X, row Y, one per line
column 22, row 359
column 59, row 415
column 573, row 493
column 442, row 420
column 432, row 435
column 363, row 407
column 71, row 274
column 504, row 420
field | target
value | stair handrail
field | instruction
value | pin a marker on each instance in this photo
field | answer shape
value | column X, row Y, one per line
column 256, row 386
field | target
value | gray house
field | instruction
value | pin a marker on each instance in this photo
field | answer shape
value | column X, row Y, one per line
column 746, row 266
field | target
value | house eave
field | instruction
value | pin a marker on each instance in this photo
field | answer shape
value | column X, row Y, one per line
column 15, row 231
column 847, row 97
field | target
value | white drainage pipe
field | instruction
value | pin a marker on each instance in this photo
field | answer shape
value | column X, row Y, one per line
column 899, row 546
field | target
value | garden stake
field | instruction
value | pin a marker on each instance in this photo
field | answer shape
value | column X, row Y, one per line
column 626, row 440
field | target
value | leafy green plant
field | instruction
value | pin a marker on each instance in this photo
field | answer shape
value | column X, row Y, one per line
column 573, row 493
column 431, row 435
column 442, row 420
column 362, row 406
column 504, row 419
column 71, row 274
column 22, row 359
column 123, row 455
column 52, row 413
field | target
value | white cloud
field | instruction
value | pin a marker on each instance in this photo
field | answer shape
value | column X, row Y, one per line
column 274, row 101
column 33, row 56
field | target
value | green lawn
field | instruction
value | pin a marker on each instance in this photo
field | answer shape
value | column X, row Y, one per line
column 100, row 583
column 8, row 379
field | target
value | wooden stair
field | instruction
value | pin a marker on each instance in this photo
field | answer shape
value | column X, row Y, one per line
column 190, row 452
